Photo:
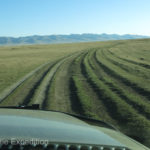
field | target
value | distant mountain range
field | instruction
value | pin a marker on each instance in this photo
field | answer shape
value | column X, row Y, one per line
column 49, row 39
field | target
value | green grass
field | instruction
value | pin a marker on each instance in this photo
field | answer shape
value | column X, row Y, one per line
column 82, row 94
column 120, row 110
column 131, row 98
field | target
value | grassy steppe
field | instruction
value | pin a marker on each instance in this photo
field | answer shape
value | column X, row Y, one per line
column 109, row 81
column 16, row 61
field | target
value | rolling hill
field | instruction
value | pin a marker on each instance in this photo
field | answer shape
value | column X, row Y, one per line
column 49, row 39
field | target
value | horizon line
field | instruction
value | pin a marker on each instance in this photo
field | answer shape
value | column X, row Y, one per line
column 73, row 34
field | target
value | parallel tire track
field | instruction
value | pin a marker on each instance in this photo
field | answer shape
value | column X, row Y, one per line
column 131, row 61
column 142, row 107
column 58, row 95
column 128, row 67
column 8, row 91
column 23, row 93
column 144, row 92
column 41, row 93
column 120, row 110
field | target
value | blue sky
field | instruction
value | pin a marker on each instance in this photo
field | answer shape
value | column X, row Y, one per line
column 45, row 17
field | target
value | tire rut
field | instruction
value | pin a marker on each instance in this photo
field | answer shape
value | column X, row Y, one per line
column 140, row 90
column 41, row 93
column 8, row 91
column 60, row 99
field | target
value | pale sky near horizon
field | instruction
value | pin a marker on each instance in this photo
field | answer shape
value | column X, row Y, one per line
column 46, row 17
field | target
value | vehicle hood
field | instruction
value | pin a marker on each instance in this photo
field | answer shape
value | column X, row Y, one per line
column 59, row 128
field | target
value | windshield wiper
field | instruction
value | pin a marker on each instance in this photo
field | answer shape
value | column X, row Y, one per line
column 32, row 107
